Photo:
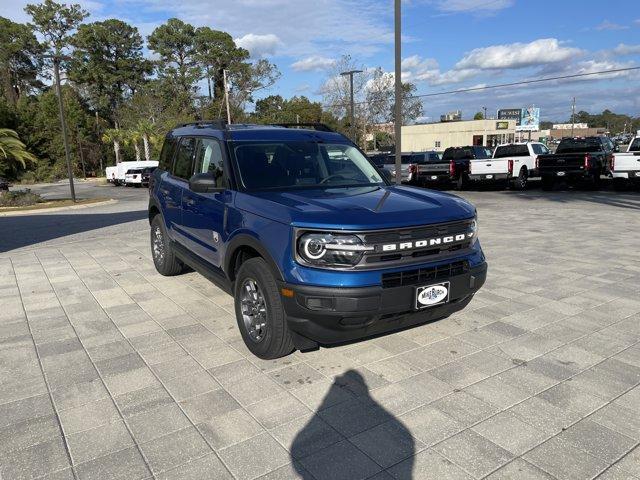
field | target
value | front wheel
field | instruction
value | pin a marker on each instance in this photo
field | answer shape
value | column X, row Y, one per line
column 259, row 311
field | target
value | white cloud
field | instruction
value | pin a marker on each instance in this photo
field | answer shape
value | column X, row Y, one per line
column 417, row 69
column 518, row 55
column 259, row 45
column 624, row 49
column 313, row 63
column 472, row 6
column 607, row 25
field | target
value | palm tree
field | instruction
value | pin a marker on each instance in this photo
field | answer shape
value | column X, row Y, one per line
column 147, row 130
column 133, row 137
column 115, row 136
column 11, row 148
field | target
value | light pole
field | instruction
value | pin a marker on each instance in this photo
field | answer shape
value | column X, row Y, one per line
column 485, row 113
column 63, row 124
column 352, row 114
column 398, row 89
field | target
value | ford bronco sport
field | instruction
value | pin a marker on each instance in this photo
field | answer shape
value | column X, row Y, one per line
column 314, row 244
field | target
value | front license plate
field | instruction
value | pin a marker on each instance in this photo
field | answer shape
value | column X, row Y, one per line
column 561, row 174
column 489, row 177
column 432, row 295
column 434, row 177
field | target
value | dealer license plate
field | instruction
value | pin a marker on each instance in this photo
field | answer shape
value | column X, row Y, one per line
column 434, row 177
column 488, row 177
column 432, row 295
column 560, row 174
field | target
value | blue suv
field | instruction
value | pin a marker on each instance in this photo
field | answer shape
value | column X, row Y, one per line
column 316, row 246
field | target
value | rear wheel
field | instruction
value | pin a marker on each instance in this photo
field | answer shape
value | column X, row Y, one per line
column 259, row 311
column 548, row 183
column 164, row 258
column 522, row 180
column 619, row 184
column 463, row 181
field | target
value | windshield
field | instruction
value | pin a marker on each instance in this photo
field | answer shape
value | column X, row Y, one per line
column 278, row 165
column 579, row 145
column 511, row 151
column 635, row 145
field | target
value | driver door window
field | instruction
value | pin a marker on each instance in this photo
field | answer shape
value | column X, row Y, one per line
column 209, row 159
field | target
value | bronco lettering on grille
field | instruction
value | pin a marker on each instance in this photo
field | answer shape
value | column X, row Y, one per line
column 429, row 242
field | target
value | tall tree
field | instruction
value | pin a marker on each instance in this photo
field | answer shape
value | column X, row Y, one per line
column 20, row 60
column 249, row 78
column 380, row 99
column 174, row 42
column 216, row 51
column 55, row 22
column 108, row 62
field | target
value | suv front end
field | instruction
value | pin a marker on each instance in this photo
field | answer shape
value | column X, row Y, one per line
column 356, row 284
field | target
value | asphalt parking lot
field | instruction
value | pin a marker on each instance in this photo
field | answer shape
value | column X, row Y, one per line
column 108, row 370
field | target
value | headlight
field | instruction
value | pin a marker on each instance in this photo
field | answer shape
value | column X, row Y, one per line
column 330, row 249
column 473, row 229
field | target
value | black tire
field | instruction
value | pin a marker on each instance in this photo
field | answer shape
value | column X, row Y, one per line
column 463, row 182
column 164, row 258
column 594, row 181
column 275, row 340
column 619, row 184
column 548, row 183
column 522, row 180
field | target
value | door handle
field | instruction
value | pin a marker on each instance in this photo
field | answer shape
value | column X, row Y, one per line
column 164, row 191
column 190, row 202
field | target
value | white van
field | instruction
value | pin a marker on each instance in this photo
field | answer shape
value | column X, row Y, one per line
column 124, row 167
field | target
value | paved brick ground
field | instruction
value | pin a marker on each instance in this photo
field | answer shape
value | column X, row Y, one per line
column 108, row 370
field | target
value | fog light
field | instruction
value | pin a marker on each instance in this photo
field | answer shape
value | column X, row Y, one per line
column 320, row 303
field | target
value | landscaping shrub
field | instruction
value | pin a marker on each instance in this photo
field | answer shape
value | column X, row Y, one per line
column 19, row 198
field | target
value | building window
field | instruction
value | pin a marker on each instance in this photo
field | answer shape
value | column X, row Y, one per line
column 437, row 144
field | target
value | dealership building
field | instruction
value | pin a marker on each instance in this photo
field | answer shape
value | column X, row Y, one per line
column 438, row 136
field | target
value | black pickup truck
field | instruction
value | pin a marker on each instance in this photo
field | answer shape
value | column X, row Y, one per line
column 576, row 160
column 459, row 159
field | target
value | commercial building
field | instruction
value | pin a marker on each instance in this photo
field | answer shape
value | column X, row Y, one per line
column 438, row 136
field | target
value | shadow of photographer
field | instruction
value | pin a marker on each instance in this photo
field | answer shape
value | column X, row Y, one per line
column 377, row 440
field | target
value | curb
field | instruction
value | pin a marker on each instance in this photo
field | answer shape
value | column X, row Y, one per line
column 35, row 211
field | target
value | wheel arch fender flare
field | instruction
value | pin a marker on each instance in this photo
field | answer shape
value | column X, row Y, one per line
column 246, row 240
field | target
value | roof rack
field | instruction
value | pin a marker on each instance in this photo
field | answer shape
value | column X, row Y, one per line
column 316, row 126
column 219, row 123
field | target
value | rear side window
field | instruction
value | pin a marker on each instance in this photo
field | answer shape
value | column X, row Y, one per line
column 183, row 165
column 481, row 152
column 635, row 145
column 511, row 151
column 539, row 149
column 168, row 150
column 579, row 145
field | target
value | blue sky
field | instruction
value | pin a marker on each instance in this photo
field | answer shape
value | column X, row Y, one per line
column 448, row 44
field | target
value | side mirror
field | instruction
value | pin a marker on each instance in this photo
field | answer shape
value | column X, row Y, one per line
column 204, row 183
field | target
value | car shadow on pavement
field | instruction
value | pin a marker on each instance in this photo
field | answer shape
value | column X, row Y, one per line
column 377, row 439
column 25, row 230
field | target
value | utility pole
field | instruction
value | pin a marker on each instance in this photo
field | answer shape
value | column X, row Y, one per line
column 226, row 95
column 63, row 125
column 398, row 89
column 98, row 135
column 352, row 109
column 485, row 113
column 573, row 114
column 297, row 118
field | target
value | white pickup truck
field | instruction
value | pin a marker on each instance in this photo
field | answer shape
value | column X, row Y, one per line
column 512, row 164
column 625, row 167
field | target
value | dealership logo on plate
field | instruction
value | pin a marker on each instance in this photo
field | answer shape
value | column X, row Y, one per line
column 433, row 295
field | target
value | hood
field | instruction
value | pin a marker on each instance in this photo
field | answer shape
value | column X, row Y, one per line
column 360, row 208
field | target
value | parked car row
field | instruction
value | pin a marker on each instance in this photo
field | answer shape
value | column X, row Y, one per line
column 578, row 161
column 131, row 173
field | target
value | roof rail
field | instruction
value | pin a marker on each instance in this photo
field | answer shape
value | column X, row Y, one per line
column 219, row 123
column 315, row 125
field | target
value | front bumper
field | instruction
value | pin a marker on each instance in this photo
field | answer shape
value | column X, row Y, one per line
column 489, row 177
column 336, row 315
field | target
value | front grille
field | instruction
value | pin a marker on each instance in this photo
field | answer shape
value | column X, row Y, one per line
column 405, row 234
column 421, row 276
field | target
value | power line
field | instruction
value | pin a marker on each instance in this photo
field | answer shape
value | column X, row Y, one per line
column 511, row 84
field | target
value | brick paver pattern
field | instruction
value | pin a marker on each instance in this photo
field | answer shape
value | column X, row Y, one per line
column 109, row 370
